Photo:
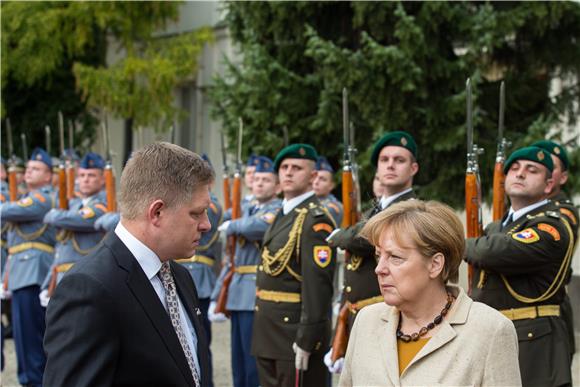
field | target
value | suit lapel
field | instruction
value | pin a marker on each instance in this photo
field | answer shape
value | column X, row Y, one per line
column 143, row 291
column 388, row 342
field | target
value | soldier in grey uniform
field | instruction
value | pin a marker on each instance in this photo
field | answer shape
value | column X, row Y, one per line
column 395, row 156
column 31, row 252
column 77, row 236
column 520, row 267
column 570, row 211
column 323, row 186
column 294, row 280
column 248, row 231
column 107, row 222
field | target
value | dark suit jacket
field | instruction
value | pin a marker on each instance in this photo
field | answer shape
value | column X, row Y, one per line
column 106, row 325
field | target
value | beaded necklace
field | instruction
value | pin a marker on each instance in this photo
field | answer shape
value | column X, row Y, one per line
column 415, row 336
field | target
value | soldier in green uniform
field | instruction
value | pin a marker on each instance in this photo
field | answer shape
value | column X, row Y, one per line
column 520, row 267
column 567, row 209
column 395, row 156
column 294, row 281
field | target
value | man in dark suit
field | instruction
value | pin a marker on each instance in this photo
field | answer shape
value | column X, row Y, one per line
column 127, row 314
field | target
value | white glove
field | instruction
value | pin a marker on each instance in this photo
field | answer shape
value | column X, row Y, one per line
column 224, row 226
column 215, row 317
column 333, row 233
column 335, row 368
column 336, row 309
column 44, row 298
column 5, row 294
column 301, row 359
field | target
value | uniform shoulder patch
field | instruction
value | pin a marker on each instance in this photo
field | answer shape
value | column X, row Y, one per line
column 322, row 226
column 333, row 206
column 268, row 217
column 101, row 207
column 550, row 230
column 25, row 202
column 566, row 212
column 40, row 197
column 529, row 235
column 87, row 212
column 322, row 255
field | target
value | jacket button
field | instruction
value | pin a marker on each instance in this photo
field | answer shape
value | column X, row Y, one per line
column 256, row 308
column 348, row 289
column 530, row 335
column 261, row 268
column 349, row 267
column 286, row 319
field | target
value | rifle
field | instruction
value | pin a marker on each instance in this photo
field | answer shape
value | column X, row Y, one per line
column 24, row 146
column 109, row 177
column 47, row 139
column 498, row 175
column 236, row 213
column 226, row 174
column 62, row 191
column 12, row 181
column 70, row 168
column 350, row 217
column 472, row 182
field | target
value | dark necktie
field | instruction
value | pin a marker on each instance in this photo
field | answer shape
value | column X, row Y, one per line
column 173, row 311
column 509, row 219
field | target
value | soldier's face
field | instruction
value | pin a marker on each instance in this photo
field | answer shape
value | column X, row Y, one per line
column 404, row 274
column 178, row 229
column 377, row 187
column 559, row 175
column 249, row 176
column 90, row 181
column 265, row 186
column 296, row 176
column 527, row 182
column 37, row 174
column 323, row 183
column 396, row 168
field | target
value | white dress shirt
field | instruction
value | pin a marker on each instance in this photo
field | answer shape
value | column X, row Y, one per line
column 151, row 264
column 387, row 200
column 522, row 211
column 290, row 204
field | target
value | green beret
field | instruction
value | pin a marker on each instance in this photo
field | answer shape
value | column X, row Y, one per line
column 556, row 149
column 295, row 151
column 398, row 138
column 532, row 153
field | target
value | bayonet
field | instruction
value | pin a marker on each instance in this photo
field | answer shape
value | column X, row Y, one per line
column 502, row 142
column 224, row 154
column 47, row 136
column 286, row 137
column 9, row 135
column 61, row 134
column 71, row 137
column 24, row 147
column 239, row 150
column 345, row 129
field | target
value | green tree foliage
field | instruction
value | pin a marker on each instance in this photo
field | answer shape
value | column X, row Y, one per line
column 405, row 65
column 54, row 59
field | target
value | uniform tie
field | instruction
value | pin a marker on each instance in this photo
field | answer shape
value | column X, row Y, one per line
column 509, row 219
column 173, row 311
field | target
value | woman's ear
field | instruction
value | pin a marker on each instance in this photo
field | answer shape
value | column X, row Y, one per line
column 437, row 265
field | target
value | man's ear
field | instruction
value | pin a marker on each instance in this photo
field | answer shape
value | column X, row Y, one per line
column 154, row 212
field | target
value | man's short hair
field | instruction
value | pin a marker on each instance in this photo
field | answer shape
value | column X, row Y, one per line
column 161, row 171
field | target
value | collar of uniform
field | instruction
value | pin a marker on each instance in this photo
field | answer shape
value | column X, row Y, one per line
column 147, row 259
column 289, row 205
column 387, row 200
column 522, row 211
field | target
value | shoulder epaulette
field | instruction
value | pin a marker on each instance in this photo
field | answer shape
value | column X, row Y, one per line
column 315, row 210
column 553, row 214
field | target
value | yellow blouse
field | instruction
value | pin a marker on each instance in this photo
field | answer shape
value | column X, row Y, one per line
column 407, row 351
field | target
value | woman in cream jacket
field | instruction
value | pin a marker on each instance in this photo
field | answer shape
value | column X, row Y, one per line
column 427, row 332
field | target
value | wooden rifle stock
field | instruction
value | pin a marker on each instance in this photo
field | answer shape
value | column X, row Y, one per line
column 70, row 180
column 472, row 209
column 227, row 194
column 231, row 249
column 62, row 191
column 110, row 188
column 340, row 341
column 350, row 213
column 498, row 191
column 12, row 184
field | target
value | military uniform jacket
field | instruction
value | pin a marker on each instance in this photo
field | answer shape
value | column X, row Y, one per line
column 107, row 222
column 249, row 231
column 4, row 195
column 360, row 280
column 513, row 268
column 32, row 239
column 77, row 236
column 303, row 270
column 200, row 266
column 568, row 209
column 334, row 207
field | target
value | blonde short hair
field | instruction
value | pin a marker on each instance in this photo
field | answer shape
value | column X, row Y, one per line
column 161, row 171
column 432, row 226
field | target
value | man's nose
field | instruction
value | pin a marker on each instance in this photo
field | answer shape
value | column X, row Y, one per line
column 205, row 225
